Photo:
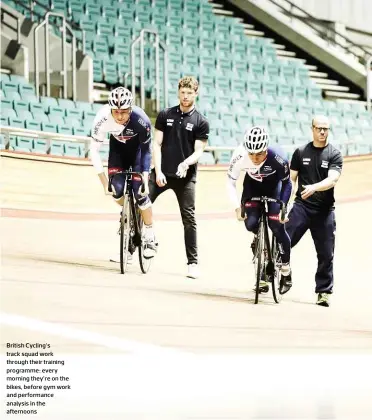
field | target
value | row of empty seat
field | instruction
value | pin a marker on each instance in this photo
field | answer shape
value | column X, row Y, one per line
column 288, row 122
column 21, row 108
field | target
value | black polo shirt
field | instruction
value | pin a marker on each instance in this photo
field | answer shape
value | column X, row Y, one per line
column 313, row 164
column 180, row 130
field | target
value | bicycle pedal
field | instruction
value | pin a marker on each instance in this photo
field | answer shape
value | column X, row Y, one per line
column 269, row 278
column 262, row 290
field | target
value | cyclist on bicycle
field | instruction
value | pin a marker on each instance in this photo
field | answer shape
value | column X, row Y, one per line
column 266, row 174
column 129, row 129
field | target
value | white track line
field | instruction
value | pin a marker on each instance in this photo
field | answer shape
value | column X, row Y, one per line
column 110, row 342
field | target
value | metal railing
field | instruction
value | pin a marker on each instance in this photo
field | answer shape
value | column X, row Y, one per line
column 29, row 7
column 326, row 32
column 64, row 70
column 158, row 43
column 34, row 134
column 369, row 83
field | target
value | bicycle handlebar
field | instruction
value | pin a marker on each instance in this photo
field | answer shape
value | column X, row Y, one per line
column 127, row 172
column 264, row 199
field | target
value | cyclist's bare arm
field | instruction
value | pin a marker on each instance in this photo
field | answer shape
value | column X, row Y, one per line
column 199, row 147
column 98, row 138
column 96, row 160
column 233, row 174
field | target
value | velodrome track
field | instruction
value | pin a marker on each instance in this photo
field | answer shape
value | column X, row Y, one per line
column 168, row 347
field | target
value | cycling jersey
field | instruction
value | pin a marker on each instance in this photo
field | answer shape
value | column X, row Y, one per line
column 270, row 178
column 129, row 143
column 263, row 178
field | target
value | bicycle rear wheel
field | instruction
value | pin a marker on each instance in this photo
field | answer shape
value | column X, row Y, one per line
column 260, row 260
column 124, row 234
column 275, row 255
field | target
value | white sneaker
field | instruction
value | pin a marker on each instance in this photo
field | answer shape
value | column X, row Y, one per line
column 193, row 271
column 150, row 247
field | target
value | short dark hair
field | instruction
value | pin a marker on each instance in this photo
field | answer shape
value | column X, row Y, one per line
column 188, row 82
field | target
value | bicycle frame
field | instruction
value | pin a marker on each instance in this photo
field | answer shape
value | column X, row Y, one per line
column 263, row 244
column 134, row 220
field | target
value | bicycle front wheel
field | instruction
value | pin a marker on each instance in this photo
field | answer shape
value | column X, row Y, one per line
column 145, row 263
column 276, row 272
column 124, row 235
column 260, row 260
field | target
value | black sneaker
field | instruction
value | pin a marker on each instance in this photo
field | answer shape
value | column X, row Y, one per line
column 254, row 245
column 285, row 284
column 131, row 246
column 264, row 285
column 323, row 299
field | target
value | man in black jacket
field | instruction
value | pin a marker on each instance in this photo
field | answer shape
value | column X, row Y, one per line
column 317, row 166
column 181, row 135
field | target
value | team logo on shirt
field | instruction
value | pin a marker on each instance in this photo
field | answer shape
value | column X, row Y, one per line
column 257, row 176
column 189, row 126
column 170, row 121
column 98, row 125
column 306, row 161
column 234, row 161
column 140, row 120
column 279, row 159
column 324, row 164
column 123, row 138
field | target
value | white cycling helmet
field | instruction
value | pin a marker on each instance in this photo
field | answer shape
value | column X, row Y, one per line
column 120, row 98
column 256, row 139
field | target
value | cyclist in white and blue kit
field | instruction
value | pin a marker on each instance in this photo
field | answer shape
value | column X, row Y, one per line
column 266, row 174
column 129, row 129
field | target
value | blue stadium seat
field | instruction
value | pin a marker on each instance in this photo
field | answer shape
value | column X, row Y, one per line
column 64, row 129
column 36, row 108
column 79, row 131
column 24, row 144
column 74, row 149
column 49, row 127
column 40, row 146
column 57, row 148
column 8, row 113
column 16, row 122
column 6, row 103
column 25, row 114
column 33, row 125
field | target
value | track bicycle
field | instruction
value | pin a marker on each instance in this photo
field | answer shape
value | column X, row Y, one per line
column 267, row 260
column 131, row 223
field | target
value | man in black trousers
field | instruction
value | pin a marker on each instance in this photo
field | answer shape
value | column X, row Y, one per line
column 317, row 166
column 181, row 135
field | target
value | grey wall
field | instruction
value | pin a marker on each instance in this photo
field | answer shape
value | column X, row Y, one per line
column 354, row 13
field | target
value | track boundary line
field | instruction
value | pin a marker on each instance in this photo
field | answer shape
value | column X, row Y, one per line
column 23, row 213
